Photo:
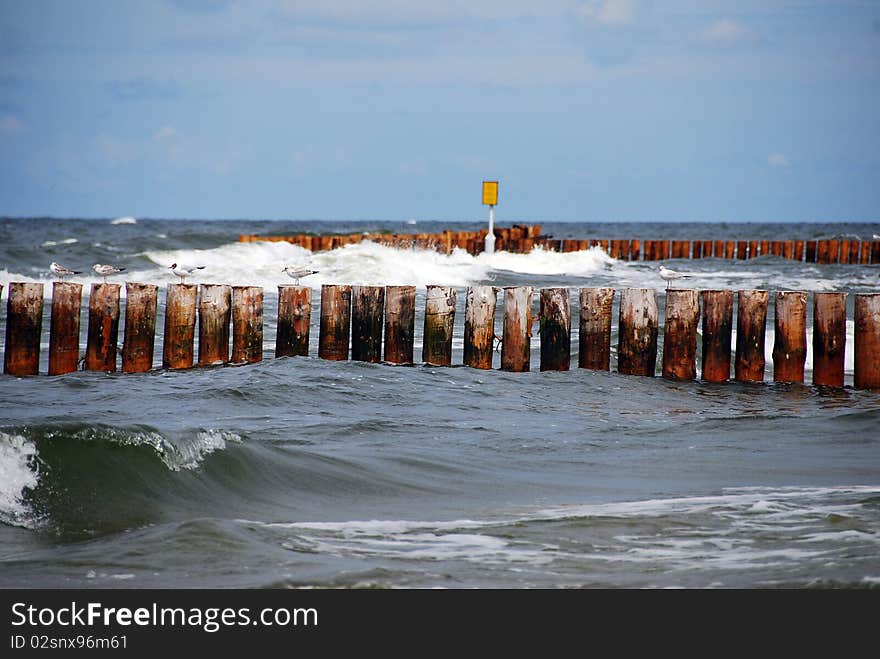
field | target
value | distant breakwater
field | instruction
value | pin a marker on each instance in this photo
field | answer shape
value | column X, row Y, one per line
column 521, row 239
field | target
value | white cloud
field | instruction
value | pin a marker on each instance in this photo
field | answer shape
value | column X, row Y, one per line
column 607, row 12
column 165, row 132
column 725, row 32
column 10, row 125
column 777, row 160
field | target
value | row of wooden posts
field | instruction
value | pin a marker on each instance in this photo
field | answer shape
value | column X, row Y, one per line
column 356, row 317
column 523, row 238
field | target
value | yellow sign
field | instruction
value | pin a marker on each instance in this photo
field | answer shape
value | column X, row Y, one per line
column 490, row 193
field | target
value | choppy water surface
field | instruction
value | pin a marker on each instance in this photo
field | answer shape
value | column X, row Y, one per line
column 299, row 472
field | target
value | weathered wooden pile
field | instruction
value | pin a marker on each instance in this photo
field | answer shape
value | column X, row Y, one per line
column 357, row 321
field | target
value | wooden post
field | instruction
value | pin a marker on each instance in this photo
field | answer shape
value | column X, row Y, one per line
column 517, row 332
column 335, row 322
column 439, row 319
column 681, row 249
column 829, row 338
column 594, row 337
column 555, row 329
column 717, row 331
column 765, row 247
column 24, row 322
column 822, row 251
column 103, row 328
column 697, row 249
column 635, row 250
column 742, row 248
column 776, row 247
column 866, row 253
column 479, row 326
column 867, row 341
column 844, row 251
column 637, row 331
column 180, row 325
column 729, row 249
column 367, row 309
column 400, row 321
column 64, row 327
column 294, row 317
column 680, row 334
column 707, row 249
column 798, row 250
column 247, row 324
column 751, row 322
column 787, row 249
column 790, row 337
column 854, row 249
column 753, row 249
column 811, row 250
column 875, row 251
column 141, row 302
column 214, row 312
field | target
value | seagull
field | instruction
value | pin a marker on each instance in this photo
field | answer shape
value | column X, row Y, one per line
column 184, row 271
column 106, row 270
column 297, row 273
column 61, row 271
column 668, row 275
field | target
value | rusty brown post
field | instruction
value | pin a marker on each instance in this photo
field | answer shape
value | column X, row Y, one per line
column 707, row 249
column 367, row 310
column 479, row 326
column 833, row 251
column 742, row 247
column 625, row 246
column 866, row 253
column 751, row 323
column 823, row 249
column 765, row 247
column 875, row 251
column 753, row 249
column 247, row 324
column 854, row 248
column 439, row 320
column 517, row 329
column 214, row 311
column 680, row 334
column 141, row 302
column 24, row 322
column 594, row 337
column 635, row 250
column 400, row 320
column 180, row 325
column 829, row 338
column 790, row 337
column 776, row 247
column 103, row 327
column 637, row 331
column 697, row 249
column 555, row 329
column 866, row 374
column 649, row 250
column 729, row 249
column 811, row 249
column 64, row 327
column 844, row 252
column 787, row 249
column 798, row 250
column 294, row 318
column 681, row 249
column 335, row 322
column 717, row 331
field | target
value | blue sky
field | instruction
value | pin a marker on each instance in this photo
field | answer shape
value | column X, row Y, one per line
column 692, row 110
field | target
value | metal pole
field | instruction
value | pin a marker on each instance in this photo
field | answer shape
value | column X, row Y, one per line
column 490, row 237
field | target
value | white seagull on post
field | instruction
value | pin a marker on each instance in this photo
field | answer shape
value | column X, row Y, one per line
column 184, row 271
column 61, row 271
column 106, row 270
column 297, row 273
column 668, row 275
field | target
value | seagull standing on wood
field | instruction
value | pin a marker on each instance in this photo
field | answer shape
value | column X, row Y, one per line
column 184, row 271
column 668, row 275
column 297, row 273
column 63, row 272
column 106, row 270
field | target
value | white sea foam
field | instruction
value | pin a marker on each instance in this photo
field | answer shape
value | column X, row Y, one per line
column 124, row 220
column 19, row 471
column 719, row 532
column 65, row 241
column 367, row 263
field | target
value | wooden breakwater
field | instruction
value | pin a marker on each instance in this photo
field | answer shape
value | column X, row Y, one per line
column 521, row 239
column 352, row 319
